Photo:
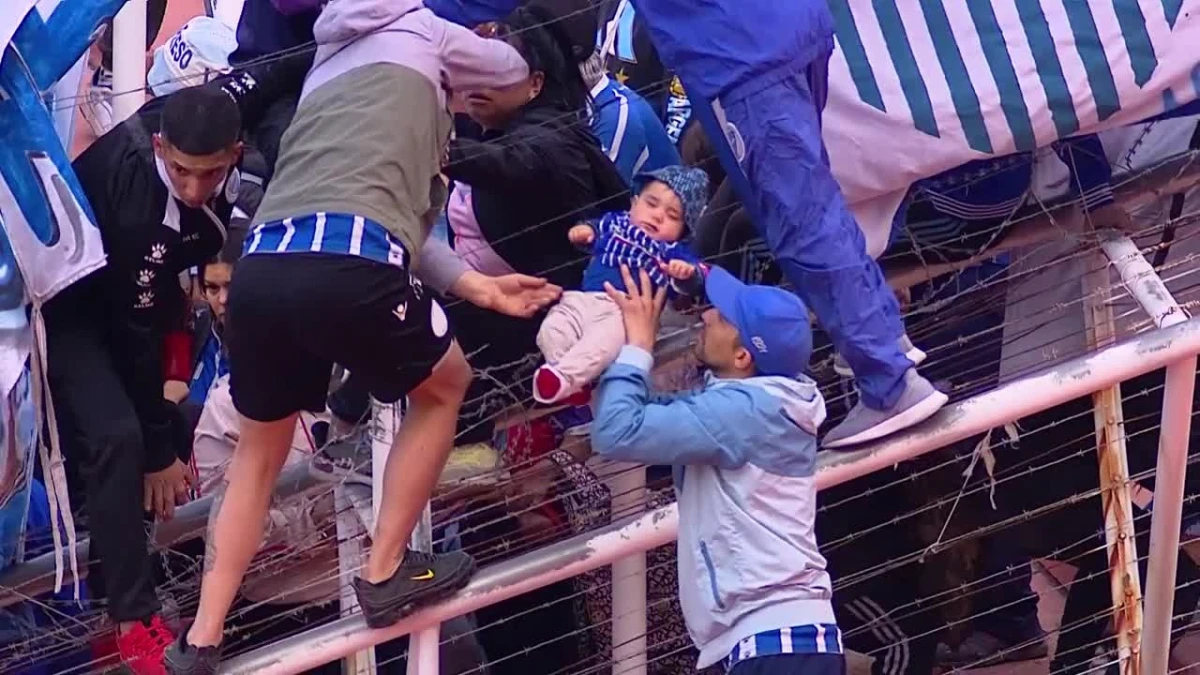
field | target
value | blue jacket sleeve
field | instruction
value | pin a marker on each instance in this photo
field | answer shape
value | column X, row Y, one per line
column 632, row 425
column 622, row 139
column 471, row 13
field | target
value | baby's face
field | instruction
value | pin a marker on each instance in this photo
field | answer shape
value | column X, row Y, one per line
column 658, row 212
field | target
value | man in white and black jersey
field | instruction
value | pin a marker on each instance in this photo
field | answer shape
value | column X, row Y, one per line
column 161, row 187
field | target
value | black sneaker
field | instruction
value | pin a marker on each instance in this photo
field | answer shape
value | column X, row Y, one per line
column 184, row 659
column 423, row 578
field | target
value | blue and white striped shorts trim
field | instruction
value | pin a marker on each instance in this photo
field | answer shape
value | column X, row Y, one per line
column 821, row 638
column 340, row 233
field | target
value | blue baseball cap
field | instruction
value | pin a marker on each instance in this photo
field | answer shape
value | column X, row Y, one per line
column 772, row 323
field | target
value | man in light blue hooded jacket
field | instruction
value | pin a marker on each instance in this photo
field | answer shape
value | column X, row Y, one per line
column 752, row 583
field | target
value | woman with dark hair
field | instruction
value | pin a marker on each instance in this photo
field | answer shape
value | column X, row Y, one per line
column 208, row 356
column 531, row 171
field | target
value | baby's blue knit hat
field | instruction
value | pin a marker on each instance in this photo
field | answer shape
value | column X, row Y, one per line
column 689, row 184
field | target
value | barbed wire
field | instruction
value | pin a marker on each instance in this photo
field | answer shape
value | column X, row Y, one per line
column 558, row 601
column 1092, row 246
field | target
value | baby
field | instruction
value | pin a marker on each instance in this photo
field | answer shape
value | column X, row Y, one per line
column 583, row 333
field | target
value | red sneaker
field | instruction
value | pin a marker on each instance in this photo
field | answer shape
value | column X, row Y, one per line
column 548, row 385
column 142, row 647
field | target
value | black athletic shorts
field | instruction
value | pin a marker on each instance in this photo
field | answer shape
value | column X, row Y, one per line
column 291, row 316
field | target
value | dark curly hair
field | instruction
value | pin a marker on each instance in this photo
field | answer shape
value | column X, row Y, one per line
column 544, row 43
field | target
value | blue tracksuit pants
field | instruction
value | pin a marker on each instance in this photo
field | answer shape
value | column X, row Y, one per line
column 769, row 141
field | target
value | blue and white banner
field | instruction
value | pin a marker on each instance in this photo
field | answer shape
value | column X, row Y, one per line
column 11, row 15
column 919, row 87
column 49, row 237
column 18, row 429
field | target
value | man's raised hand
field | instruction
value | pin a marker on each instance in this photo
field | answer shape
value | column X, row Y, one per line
column 641, row 307
column 516, row 295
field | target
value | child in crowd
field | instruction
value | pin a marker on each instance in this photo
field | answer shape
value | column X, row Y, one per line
column 752, row 583
column 582, row 334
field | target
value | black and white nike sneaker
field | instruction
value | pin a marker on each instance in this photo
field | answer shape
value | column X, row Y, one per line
column 422, row 579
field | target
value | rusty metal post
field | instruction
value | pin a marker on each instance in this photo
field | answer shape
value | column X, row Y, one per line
column 1115, row 484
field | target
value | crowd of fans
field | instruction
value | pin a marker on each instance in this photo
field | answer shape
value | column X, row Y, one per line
column 293, row 231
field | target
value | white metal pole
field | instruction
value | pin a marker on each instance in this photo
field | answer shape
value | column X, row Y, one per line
column 627, row 484
column 1142, row 281
column 1145, row 286
column 563, row 560
column 423, row 644
column 129, row 60
column 1167, row 516
column 385, row 424
column 350, row 561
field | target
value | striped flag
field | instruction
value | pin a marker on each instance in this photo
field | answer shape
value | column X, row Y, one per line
column 1011, row 74
column 917, row 87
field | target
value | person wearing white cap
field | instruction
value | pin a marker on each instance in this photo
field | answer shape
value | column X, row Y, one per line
column 197, row 53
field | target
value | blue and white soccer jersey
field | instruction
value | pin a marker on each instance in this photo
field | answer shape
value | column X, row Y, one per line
column 629, row 131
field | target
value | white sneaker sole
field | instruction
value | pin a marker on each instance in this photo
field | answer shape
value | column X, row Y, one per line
column 915, row 355
column 911, row 417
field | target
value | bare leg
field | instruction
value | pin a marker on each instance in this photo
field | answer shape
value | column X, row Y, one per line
column 236, row 533
column 416, row 461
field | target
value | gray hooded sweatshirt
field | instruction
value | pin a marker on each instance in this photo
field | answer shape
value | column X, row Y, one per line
column 372, row 125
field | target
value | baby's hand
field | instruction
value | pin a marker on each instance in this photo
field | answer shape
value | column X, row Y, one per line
column 581, row 235
column 678, row 269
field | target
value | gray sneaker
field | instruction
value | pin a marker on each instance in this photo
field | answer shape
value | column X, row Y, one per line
column 347, row 459
column 183, row 659
column 910, row 350
column 919, row 401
